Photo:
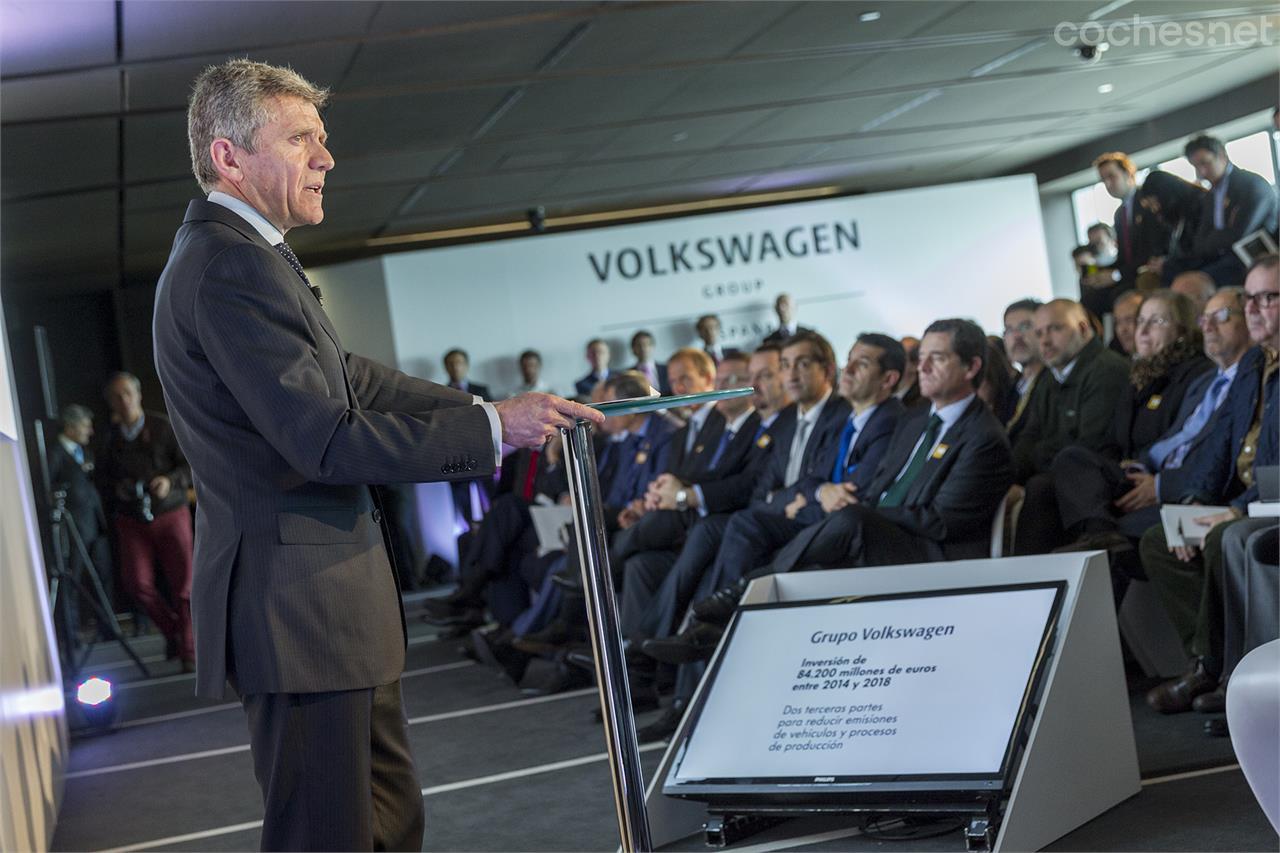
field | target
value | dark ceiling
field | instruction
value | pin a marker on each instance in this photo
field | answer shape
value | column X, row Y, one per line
column 458, row 113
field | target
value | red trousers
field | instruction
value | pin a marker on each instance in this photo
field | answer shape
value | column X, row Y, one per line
column 168, row 542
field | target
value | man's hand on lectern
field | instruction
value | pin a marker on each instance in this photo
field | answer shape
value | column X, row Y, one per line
column 530, row 419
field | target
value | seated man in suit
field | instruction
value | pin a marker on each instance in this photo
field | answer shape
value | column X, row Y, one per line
column 1024, row 351
column 1104, row 502
column 642, row 348
column 1239, row 203
column 841, row 468
column 1074, row 405
column 598, row 358
column 932, row 497
column 458, row 364
column 1224, row 470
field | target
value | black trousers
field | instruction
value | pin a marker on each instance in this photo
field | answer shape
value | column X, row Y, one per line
column 336, row 770
column 855, row 536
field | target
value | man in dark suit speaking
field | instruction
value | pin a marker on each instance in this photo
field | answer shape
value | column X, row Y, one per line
column 294, row 599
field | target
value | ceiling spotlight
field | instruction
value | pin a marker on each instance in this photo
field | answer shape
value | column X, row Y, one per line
column 868, row 17
column 1105, row 89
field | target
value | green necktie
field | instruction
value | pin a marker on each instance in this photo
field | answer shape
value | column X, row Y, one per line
column 898, row 491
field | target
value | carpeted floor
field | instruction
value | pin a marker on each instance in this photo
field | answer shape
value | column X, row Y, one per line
column 502, row 771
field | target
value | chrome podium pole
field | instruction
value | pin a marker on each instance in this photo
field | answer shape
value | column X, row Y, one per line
column 606, row 640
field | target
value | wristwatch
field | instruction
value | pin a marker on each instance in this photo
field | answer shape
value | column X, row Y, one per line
column 682, row 499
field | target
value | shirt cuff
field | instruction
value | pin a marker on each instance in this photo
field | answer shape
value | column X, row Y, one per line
column 495, row 428
column 701, row 508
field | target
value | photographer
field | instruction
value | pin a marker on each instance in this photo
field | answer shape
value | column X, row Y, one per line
column 71, row 467
column 145, row 477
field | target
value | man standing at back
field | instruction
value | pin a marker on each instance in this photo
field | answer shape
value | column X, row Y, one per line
column 294, row 599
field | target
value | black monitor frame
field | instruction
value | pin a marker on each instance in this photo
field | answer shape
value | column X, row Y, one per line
column 899, row 792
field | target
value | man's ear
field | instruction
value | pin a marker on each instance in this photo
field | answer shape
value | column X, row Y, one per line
column 890, row 379
column 226, row 160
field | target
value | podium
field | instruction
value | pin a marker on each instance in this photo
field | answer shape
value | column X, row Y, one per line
column 602, row 610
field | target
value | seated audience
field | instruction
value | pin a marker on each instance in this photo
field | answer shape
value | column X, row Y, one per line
column 1170, row 369
column 642, row 348
column 908, row 391
column 788, row 328
column 1239, row 202
column 1225, row 470
column 531, row 374
column 457, row 364
column 1074, row 405
column 708, row 329
column 598, row 358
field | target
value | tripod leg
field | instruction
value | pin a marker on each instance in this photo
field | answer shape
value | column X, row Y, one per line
column 98, row 596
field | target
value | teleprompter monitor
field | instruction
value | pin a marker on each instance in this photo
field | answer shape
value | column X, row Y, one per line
column 871, row 701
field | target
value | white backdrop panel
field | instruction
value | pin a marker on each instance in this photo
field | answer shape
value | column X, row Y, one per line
column 888, row 262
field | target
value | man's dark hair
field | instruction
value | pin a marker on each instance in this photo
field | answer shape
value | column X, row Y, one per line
column 643, row 333
column 531, row 353
column 892, row 354
column 1205, row 142
column 1101, row 226
column 1023, row 305
column 968, row 341
column 736, row 354
column 455, row 351
column 1084, row 249
column 1268, row 261
column 825, row 354
column 704, row 318
column 595, row 341
column 627, row 384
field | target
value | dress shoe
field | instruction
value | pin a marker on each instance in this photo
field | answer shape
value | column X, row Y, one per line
column 1213, row 702
column 549, row 640
column 436, row 612
column 1176, row 695
column 695, row 643
column 719, row 607
column 492, row 647
column 665, row 726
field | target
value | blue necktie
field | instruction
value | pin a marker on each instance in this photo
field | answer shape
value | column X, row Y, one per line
column 842, row 471
column 79, row 455
column 725, row 441
column 1171, row 452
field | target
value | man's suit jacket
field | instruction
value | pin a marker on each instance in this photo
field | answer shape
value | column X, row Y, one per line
column 729, row 486
column 1250, row 204
column 293, row 591
column 869, row 447
column 587, row 384
column 687, row 466
column 952, row 500
column 1212, row 477
column 819, row 451
column 1173, row 481
column 83, row 501
column 640, row 459
column 664, row 387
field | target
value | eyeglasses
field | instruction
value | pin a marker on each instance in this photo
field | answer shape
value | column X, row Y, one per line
column 1263, row 298
column 1156, row 322
column 1022, row 327
column 1215, row 318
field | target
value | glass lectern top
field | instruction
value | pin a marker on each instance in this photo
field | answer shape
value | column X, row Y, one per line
column 637, row 405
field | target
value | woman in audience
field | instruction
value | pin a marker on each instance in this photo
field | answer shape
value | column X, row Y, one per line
column 1179, row 205
column 999, row 388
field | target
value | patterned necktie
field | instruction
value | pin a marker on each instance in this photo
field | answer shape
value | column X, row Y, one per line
column 898, row 491
column 842, row 470
column 288, row 255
